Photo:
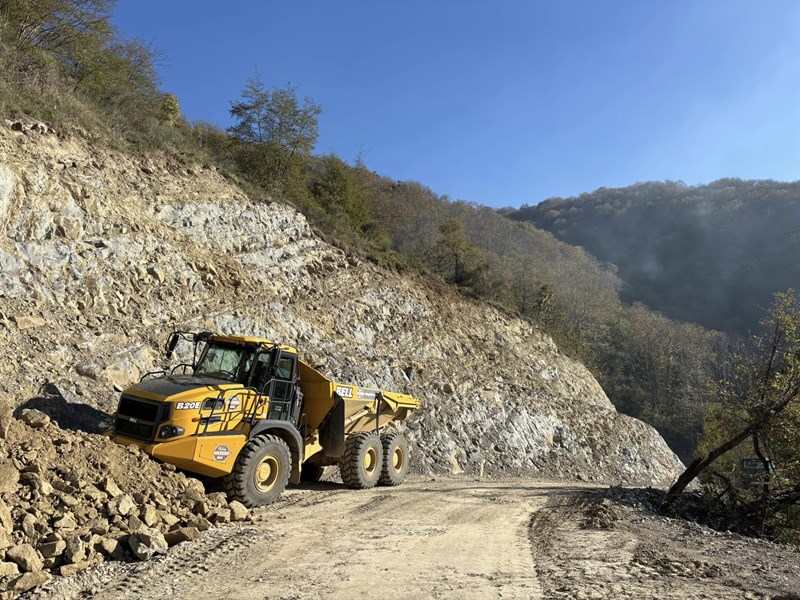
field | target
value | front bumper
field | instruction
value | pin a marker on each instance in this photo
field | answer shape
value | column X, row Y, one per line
column 212, row 455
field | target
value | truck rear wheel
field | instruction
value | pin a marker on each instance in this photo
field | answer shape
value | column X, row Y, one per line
column 395, row 458
column 361, row 464
column 261, row 471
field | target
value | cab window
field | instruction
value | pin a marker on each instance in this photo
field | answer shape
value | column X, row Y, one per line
column 285, row 368
column 224, row 362
column 261, row 373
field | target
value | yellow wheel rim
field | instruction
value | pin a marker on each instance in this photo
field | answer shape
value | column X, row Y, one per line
column 397, row 459
column 266, row 473
column 370, row 460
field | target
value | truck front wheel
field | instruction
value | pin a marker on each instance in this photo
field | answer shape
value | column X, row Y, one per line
column 361, row 465
column 395, row 458
column 261, row 471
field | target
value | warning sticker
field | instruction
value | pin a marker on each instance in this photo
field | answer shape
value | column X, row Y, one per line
column 221, row 453
column 234, row 403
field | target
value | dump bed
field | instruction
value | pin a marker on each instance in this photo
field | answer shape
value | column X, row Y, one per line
column 364, row 408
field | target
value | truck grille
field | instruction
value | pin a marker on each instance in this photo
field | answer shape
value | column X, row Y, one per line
column 139, row 418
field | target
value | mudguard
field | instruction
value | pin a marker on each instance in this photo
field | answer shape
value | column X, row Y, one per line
column 289, row 434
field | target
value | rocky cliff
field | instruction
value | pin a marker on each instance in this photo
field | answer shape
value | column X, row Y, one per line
column 103, row 253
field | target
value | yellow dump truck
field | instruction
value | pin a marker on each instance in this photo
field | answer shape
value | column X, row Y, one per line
column 253, row 413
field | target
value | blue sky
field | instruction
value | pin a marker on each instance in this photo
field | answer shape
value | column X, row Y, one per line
column 505, row 103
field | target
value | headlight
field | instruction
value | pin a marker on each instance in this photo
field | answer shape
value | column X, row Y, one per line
column 214, row 404
column 170, row 431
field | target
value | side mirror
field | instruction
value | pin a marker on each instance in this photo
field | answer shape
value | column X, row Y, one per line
column 171, row 343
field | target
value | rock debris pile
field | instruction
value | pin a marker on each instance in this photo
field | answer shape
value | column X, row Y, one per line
column 69, row 500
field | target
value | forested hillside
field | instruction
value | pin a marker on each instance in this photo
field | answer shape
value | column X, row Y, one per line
column 650, row 366
column 709, row 254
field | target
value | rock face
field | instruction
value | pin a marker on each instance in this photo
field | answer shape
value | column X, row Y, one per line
column 100, row 259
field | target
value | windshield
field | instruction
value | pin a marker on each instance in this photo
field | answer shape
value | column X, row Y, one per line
column 225, row 362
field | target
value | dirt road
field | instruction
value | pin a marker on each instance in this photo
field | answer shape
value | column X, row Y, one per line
column 446, row 539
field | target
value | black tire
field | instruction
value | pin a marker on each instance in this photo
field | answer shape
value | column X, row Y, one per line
column 361, row 465
column 395, row 458
column 261, row 472
column 311, row 473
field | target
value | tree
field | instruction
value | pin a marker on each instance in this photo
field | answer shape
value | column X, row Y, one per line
column 452, row 249
column 340, row 190
column 118, row 74
column 758, row 402
column 60, row 26
column 276, row 129
column 454, row 253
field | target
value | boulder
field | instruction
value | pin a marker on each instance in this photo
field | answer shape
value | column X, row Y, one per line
column 29, row 322
column 200, row 522
column 168, row 518
column 121, row 505
column 26, row 557
column 145, row 545
column 75, row 550
column 52, row 549
column 66, row 522
column 111, row 487
column 221, row 515
column 239, row 511
column 184, row 534
column 135, row 523
column 9, row 476
column 149, row 515
column 28, row 581
column 202, row 508
column 34, row 418
column 5, row 417
column 195, row 490
column 111, row 548
column 6, row 520
column 218, row 498
column 6, row 541
column 73, row 568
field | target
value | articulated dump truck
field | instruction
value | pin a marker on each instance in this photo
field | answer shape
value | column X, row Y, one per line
column 249, row 411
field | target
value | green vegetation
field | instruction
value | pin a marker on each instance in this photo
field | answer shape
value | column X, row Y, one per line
column 62, row 62
column 710, row 254
column 275, row 134
column 755, row 416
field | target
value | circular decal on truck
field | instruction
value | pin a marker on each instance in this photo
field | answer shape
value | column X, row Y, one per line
column 221, row 453
column 234, row 403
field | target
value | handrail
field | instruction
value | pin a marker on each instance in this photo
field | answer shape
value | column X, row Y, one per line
column 228, row 415
column 246, row 414
column 149, row 373
column 164, row 372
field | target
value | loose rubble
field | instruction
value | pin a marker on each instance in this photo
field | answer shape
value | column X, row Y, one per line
column 71, row 500
column 616, row 544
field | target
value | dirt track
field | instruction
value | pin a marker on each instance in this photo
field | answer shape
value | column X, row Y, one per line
column 450, row 539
